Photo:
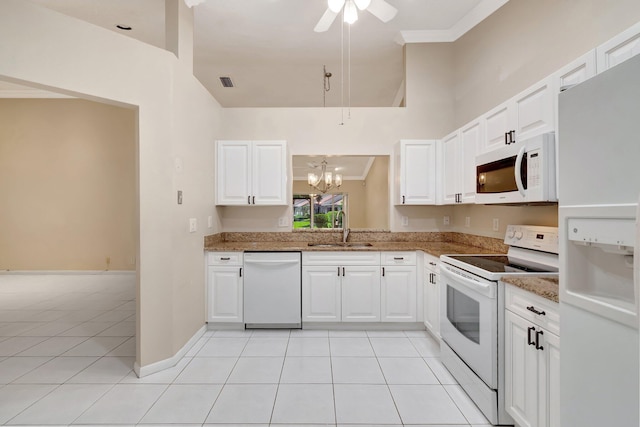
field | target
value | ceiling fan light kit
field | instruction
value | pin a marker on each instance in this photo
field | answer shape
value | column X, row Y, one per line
column 350, row 12
column 336, row 5
column 362, row 4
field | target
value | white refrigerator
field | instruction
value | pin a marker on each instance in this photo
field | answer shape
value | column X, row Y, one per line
column 599, row 190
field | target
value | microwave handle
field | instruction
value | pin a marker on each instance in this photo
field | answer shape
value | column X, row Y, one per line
column 517, row 171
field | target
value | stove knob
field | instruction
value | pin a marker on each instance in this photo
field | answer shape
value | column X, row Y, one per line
column 511, row 233
column 518, row 234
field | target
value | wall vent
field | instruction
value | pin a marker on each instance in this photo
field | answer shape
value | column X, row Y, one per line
column 226, row 82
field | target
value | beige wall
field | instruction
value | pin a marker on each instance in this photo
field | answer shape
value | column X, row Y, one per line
column 482, row 218
column 524, row 41
column 377, row 194
column 67, row 179
column 177, row 123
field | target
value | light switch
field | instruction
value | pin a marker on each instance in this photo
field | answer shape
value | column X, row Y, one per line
column 467, row 221
column 210, row 221
column 446, row 220
column 405, row 221
column 193, row 225
column 282, row 221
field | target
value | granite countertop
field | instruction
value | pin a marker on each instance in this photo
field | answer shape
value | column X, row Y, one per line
column 546, row 287
column 432, row 248
column 433, row 243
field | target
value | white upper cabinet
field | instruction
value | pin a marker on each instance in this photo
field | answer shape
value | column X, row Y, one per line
column 416, row 172
column 576, row 72
column 534, row 110
column 619, row 49
column 251, row 173
column 530, row 113
column 498, row 125
column 450, row 168
column 458, row 173
column 470, row 139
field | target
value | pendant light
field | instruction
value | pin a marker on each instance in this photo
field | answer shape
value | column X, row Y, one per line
column 324, row 182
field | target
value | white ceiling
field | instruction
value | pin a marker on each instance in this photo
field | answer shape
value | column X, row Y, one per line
column 272, row 54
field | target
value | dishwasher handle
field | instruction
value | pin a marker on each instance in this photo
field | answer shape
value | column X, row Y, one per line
column 271, row 261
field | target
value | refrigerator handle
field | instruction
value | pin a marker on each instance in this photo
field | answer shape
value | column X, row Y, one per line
column 518, row 171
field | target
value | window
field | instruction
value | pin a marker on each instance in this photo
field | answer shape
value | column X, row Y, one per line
column 318, row 210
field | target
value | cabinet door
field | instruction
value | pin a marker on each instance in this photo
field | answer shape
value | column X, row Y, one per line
column 549, row 381
column 450, row 173
column 431, row 303
column 417, row 173
column 321, row 294
column 577, row 71
column 521, row 371
column 269, row 173
column 224, row 294
column 361, row 294
column 619, row 49
column 534, row 110
column 497, row 123
column 470, row 138
column 398, row 294
column 233, row 172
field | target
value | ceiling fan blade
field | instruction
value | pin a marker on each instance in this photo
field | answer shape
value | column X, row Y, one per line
column 325, row 22
column 382, row 10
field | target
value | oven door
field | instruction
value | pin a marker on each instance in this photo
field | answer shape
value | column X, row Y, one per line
column 469, row 320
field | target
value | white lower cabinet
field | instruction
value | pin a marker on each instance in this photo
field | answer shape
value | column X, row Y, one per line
column 321, row 294
column 431, row 281
column 398, row 289
column 350, row 287
column 532, row 362
column 361, row 294
column 224, row 287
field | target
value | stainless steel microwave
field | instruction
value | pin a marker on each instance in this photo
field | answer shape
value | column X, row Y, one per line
column 518, row 173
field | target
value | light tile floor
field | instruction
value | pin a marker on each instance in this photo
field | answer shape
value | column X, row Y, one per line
column 67, row 349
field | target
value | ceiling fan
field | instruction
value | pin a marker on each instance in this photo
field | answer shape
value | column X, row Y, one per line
column 378, row 8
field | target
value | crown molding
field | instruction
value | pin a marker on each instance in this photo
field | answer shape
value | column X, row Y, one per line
column 470, row 20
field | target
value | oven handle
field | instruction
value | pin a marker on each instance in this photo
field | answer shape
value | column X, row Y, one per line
column 483, row 288
column 518, row 171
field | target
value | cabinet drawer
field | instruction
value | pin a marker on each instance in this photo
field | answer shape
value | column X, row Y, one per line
column 224, row 258
column 523, row 303
column 340, row 258
column 431, row 263
column 398, row 258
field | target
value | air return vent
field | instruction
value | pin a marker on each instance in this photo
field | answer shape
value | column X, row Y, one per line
column 226, row 82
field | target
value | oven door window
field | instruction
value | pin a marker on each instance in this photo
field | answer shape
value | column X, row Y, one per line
column 499, row 176
column 464, row 314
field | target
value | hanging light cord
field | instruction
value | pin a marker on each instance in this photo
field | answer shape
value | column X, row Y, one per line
column 342, row 68
column 349, row 82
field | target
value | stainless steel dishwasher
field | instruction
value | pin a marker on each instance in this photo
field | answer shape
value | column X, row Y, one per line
column 272, row 290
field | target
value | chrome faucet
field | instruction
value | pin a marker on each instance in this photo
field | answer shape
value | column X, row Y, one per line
column 345, row 225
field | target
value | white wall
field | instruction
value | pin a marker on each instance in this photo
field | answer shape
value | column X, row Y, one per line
column 177, row 117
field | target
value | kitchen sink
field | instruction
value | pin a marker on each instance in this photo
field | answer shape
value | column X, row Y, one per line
column 341, row 245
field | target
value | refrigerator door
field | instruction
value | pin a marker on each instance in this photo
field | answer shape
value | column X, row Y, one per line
column 599, row 146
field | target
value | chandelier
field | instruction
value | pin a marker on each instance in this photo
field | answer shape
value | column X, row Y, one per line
column 324, row 182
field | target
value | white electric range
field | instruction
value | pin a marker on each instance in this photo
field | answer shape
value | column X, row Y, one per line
column 472, row 311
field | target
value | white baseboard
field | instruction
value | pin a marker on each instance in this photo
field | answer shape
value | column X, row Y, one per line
column 69, row 272
column 143, row 371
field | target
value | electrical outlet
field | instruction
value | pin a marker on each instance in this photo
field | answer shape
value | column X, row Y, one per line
column 282, row 221
column 210, row 221
column 496, row 224
column 446, row 220
column 193, row 225
column 405, row 221
column 467, row 221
